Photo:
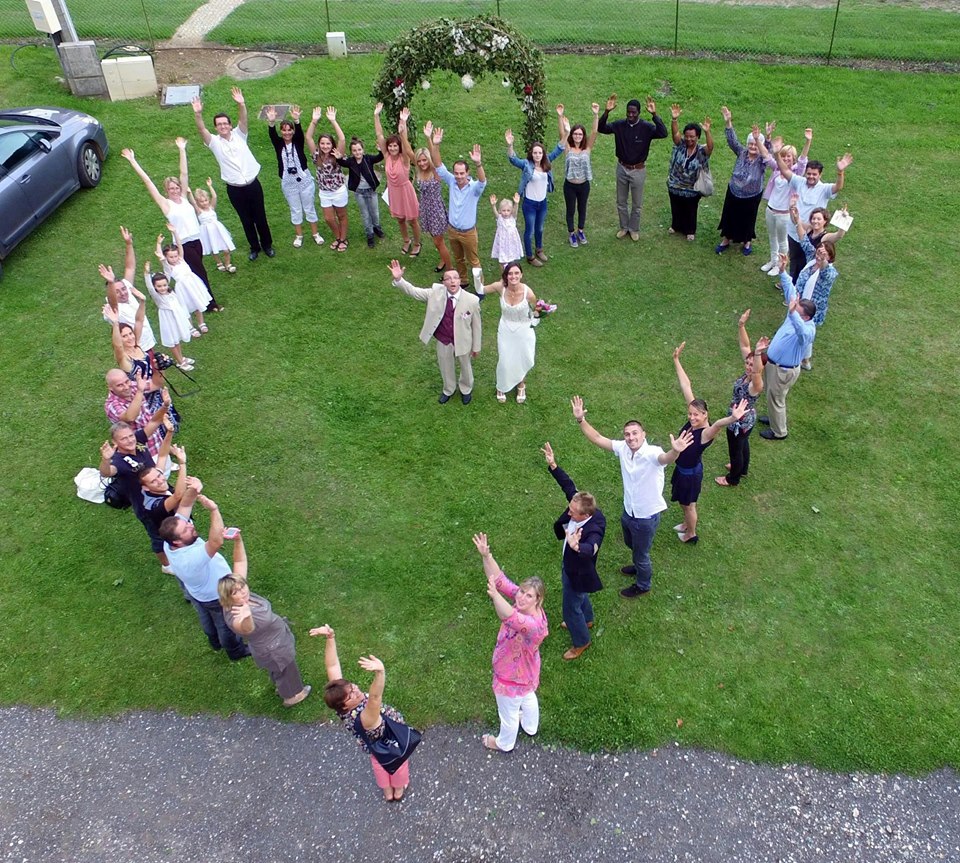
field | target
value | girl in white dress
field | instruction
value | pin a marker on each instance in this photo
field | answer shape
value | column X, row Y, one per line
column 516, row 340
column 507, row 246
column 214, row 236
column 192, row 291
column 174, row 321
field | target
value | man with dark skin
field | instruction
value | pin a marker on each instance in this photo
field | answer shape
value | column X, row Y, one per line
column 632, row 137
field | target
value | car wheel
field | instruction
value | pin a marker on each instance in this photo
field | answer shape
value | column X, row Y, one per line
column 89, row 165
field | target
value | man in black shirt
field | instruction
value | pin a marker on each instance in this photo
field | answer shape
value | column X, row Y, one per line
column 632, row 137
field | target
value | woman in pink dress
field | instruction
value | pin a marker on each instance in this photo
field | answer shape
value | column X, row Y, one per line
column 398, row 156
column 516, row 658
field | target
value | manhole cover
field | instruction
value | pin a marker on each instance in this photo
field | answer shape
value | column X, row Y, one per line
column 257, row 63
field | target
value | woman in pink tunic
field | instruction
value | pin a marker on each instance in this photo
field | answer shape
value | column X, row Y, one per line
column 516, row 658
column 398, row 156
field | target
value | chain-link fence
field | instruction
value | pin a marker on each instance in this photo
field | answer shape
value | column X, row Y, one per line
column 906, row 31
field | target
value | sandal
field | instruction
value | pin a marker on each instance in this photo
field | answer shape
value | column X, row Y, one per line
column 398, row 793
column 195, row 333
column 501, row 397
column 218, row 307
column 405, row 248
column 722, row 480
column 204, row 329
column 490, row 742
column 440, row 269
column 230, row 269
column 521, row 393
column 343, row 245
column 222, row 267
column 416, row 250
column 335, row 246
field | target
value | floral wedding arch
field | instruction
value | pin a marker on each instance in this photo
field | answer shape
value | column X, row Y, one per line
column 467, row 47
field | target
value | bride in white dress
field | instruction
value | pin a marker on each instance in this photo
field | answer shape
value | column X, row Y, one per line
column 516, row 340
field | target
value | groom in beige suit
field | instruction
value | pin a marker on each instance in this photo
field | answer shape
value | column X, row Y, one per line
column 453, row 319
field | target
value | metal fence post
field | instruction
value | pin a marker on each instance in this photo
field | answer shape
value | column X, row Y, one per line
column 676, row 28
column 498, row 8
column 834, row 33
column 326, row 6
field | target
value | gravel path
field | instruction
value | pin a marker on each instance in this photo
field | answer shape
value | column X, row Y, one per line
column 161, row 787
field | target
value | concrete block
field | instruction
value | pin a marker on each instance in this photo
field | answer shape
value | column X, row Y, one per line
column 80, row 59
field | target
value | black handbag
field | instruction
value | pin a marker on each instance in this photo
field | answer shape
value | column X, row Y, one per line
column 394, row 746
column 112, row 496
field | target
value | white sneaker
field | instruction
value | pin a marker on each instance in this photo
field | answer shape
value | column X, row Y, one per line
column 774, row 272
column 298, row 241
column 318, row 239
column 166, row 570
column 767, row 267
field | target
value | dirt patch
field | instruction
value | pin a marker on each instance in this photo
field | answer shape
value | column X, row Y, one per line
column 201, row 65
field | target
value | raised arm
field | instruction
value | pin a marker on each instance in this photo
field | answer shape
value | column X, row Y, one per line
column 129, row 255
column 184, row 172
column 107, row 449
column 735, row 415
column 477, row 158
column 492, row 571
column 158, row 199
column 341, row 139
column 172, row 503
column 602, row 125
column 807, row 141
column 190, row 495
column 198, row 120
column 843, row 163
column 706, row 124
column 370, row 716
column 314, row 119
column 242, row 118
column 742, row 336
column 163, row 453
column 677, row 446
column 591, row 434
column 675, row 112
column 331, row 660
column 682, row 378
column 562, row 128
column 378, row 128
column 756, row 377
column 408, row 153
column 215, row 537
column 212, row 192
column 132, row 412
column 595, row 127
column 119, row 354
column 239, row 557
column 434, row 138
column 176, row 239
column 159, row 415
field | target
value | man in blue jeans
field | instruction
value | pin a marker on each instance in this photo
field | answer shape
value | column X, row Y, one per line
column 199, row 566
column 642, row 467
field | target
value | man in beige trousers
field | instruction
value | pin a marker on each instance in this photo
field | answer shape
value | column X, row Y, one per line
column 453, row 320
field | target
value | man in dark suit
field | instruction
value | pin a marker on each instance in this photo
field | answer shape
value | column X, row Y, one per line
column 581, row 527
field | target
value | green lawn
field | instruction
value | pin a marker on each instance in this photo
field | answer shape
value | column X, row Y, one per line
column 94, row 19
column 816, row 621
column 864, row 30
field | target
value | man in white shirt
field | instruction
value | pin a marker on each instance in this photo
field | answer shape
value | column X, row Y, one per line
column 642, row 467
column 239, row 170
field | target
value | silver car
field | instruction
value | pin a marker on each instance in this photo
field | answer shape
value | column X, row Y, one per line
column 46, row 154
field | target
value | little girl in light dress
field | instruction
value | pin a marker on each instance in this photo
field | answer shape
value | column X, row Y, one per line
column 214, row 237
column 507, row 246
column 190, row 288
column 174, row 321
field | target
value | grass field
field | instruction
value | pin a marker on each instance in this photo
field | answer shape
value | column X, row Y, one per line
column 865, row 29
column 816, row 621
